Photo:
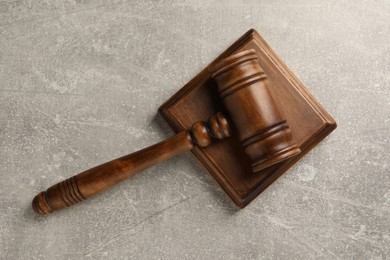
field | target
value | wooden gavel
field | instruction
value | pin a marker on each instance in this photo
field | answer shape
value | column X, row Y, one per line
column 258, row 123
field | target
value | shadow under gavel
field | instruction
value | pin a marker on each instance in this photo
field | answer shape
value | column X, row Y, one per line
column 253, row 116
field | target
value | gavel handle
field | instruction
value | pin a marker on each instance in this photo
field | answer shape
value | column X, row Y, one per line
column 103, row 177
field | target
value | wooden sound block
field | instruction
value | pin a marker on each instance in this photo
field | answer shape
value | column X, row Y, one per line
column 226, row 160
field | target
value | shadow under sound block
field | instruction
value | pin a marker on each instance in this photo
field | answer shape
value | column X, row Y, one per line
column 226, row 160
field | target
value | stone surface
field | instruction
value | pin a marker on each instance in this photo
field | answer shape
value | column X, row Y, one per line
column 80, row 83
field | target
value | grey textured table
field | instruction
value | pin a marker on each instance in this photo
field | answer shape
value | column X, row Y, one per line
column 80, row 83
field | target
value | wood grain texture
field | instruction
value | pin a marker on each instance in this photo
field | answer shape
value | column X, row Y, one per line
column 260, row 125
column 226, row 161
column 269, row 134
column 103, row 177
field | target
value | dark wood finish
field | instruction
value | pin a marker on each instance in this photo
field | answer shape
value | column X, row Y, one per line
column 103, row 177
column 273, row 115
column 261, row 127
column 226, row 161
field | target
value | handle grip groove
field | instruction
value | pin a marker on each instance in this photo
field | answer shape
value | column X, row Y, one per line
column 70, row 192
column 103, row 177
column 66, row 192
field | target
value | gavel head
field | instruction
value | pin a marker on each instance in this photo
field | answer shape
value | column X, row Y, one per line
column 261, row 127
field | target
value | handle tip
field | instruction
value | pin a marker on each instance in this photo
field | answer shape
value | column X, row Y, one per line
column 40, row 205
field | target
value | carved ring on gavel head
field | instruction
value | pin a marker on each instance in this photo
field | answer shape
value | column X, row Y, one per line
column 253, row 116
column 261, row 127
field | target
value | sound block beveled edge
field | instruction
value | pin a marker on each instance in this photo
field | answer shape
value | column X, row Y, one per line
column 243, row 193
